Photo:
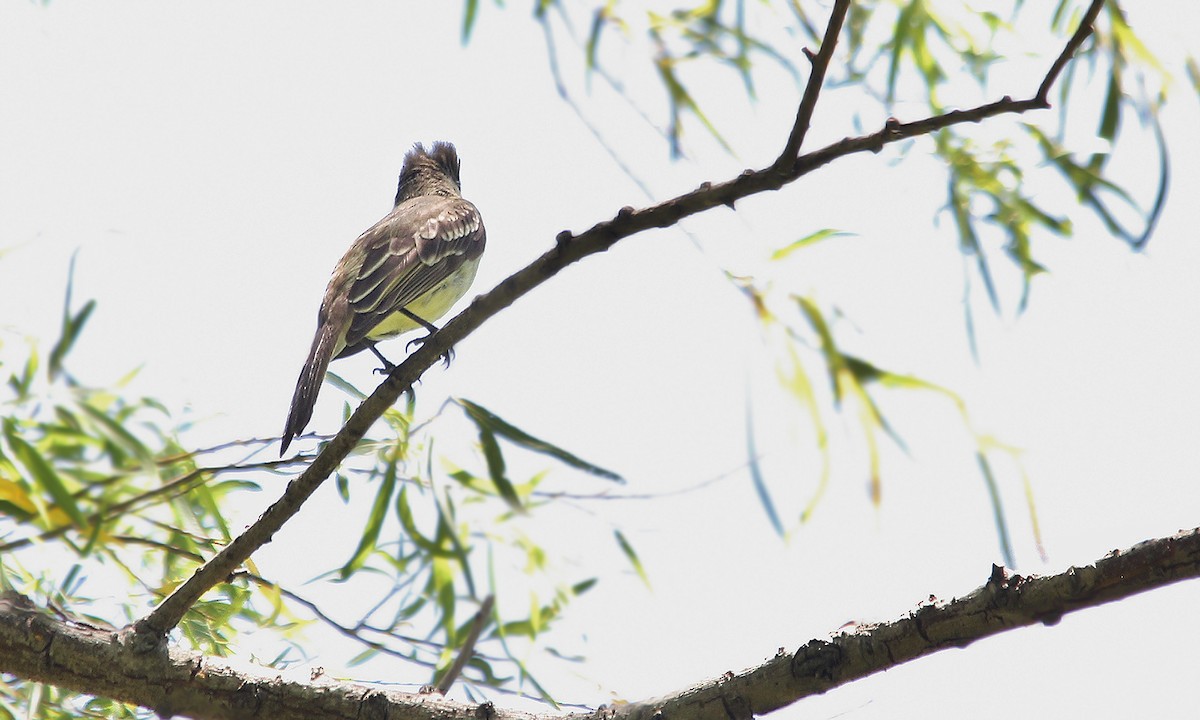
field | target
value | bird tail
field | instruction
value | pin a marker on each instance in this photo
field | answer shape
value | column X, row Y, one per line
column 309, row 384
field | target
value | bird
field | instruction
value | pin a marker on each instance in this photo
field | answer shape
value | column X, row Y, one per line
column 403, row 273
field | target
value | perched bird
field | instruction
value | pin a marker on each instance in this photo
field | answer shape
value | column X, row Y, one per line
column 403, row 273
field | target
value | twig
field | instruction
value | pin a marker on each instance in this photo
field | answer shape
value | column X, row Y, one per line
column 166, row 491
column 467, row 651
column 812, row 90
column 1086, row 27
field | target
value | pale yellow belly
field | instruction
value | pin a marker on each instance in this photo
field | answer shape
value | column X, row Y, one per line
column 430, row 306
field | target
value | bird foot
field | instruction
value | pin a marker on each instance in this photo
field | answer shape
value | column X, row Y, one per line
column 446, row 356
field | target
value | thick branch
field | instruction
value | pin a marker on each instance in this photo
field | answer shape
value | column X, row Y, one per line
column 1004, row 603
column 38, row 646
column 569, row 249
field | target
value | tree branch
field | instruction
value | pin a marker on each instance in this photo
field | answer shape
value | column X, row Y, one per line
column 1086, row 27
column 569, row 249
column 812, row 90
column 43, row 647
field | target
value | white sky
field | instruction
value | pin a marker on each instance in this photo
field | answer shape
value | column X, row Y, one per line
column 211, row 164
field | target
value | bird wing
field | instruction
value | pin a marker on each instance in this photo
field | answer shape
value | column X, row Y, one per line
column 407, row 254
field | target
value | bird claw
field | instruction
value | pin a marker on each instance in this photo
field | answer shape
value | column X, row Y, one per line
column 388, row 365
column 446, row 356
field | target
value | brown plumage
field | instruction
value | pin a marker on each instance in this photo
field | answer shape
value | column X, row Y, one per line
column 421, row 258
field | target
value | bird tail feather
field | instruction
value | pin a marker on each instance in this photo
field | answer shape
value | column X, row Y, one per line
column 308, row 385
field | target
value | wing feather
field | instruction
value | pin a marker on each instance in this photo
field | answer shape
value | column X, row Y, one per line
column 407, row 254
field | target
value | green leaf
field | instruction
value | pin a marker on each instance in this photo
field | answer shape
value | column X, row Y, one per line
column 989, row 479
column 370, row 535
column 1164, row 175
column 21, row 384
column 833, row 357
column 405, row 515
column 599, row 21
column 117, row 433
column 632, row 556
column 486, row 419
column 44, row 475
column 1193, row 73
column 681, row 99
column 447, row 536
column 795, row 380
column 72, row 325
column 581, row 587
column 345, row 386
column 806, row 241
column 496, row 468
column 469, row 14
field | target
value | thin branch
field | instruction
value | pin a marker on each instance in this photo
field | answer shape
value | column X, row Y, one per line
column 353, row 633
column 467, row 651
column 570, row 248
column 165, row 492
column 561, row 88
column 37, row 645
column 812, row 90
column 349, row 632
column 1086, row 27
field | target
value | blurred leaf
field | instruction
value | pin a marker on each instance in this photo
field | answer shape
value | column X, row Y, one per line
column 496, row 468
column 1193, row 73
column 488, row 420
column 72, row 325
column 14, row 500
column 342, row 384
column 760, row 485
column 833, row 358
column 118, row 434
column 1164, row 179
column 806, row 241
column 795, row 380
column 370, row 535
column 989, row 479
column 910, row 37
column 632, row 556
column 1033, row 516
column 1088, row 185
column 751, row 293
column 469, row 14
column 441, row 588
column 1127, row 43
column 44, row 475
column 599, row 21
column 447, row 536
column 682, row 100
column 405, row 515
column 22, row 383
column 526, row 676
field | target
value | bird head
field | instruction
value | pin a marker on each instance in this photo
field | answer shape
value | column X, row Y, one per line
column 429, row 172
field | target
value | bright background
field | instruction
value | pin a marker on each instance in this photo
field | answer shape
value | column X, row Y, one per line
column 211, row 163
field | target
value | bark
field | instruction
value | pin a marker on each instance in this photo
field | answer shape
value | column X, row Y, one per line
column 36, row 645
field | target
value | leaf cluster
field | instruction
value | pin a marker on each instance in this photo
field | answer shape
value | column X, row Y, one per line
column 103, row 511
column 1003, row 197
